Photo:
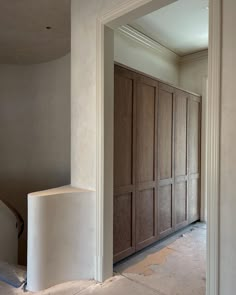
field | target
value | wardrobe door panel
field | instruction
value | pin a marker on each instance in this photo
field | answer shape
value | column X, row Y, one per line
column 145, row 144
column 123, row 130
column 165, row 214
column 180, row 158
column 181, row 203
column 194, row 136
column 165, row 133
column 165, row 160
column 124, row 188
column 123, row 226
column 145, row 218
column 194, row 200
column 181, row 100
column 194, row 152
column 146, row 137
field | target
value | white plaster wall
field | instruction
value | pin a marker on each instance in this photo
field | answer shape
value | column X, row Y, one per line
column 84, row 57
column 228, row 155
column 34, row 132
column 87, row 113
column 192, row 73
column 138, row 57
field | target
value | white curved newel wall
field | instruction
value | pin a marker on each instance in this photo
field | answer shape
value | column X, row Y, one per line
column 61, row 236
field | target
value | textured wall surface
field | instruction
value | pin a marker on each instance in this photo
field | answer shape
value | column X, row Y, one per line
column 192, row 73
column 34, row 131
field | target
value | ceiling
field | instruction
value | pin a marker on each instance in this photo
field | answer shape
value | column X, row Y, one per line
column 24, row 37
column 181, row 26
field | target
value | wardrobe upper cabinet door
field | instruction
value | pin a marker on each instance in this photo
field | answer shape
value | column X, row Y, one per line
column 180, row 158
column 165, row 160
column 123, row 127
column 165, row 136
column 124, row 188
column 181, row 118
column 146, row 100
column 146, row 137
column 194, row 134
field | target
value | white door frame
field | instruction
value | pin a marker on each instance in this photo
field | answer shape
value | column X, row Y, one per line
column 104, row 206
column 204, row 148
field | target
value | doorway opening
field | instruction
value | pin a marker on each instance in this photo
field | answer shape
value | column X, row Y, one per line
column 159, row 87
column 156, row 131
column 114, row 18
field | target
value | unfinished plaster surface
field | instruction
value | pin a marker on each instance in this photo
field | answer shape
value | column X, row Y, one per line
column 59, row 249
column 35, row 132
column 176, row 266
column 192, row 73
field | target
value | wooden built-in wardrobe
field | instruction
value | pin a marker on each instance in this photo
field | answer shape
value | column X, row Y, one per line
column 156, row 160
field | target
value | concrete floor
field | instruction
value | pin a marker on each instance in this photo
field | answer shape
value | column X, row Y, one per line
column 176, row 266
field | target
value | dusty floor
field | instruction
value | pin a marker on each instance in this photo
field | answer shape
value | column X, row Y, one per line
column 175, row 266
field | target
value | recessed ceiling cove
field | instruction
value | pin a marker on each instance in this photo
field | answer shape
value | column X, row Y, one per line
column 181, row 26
column 34, row 31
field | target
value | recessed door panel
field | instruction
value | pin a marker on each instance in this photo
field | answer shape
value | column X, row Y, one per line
column 194, row 201
column 123, row 130
column 123, row 225
column 180, row 203
column 145, row 217
column 165, row 133
column 124, row 188
column 181, row 133
column 194, row 136
column 146, row 155
column 165, row 209
column 145, row 144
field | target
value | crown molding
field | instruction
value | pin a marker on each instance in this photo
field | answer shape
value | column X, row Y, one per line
column 149, row 43
column 194, row 56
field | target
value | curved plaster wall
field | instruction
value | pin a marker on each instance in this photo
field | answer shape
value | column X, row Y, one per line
column 61, row 237
column 34, row 131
